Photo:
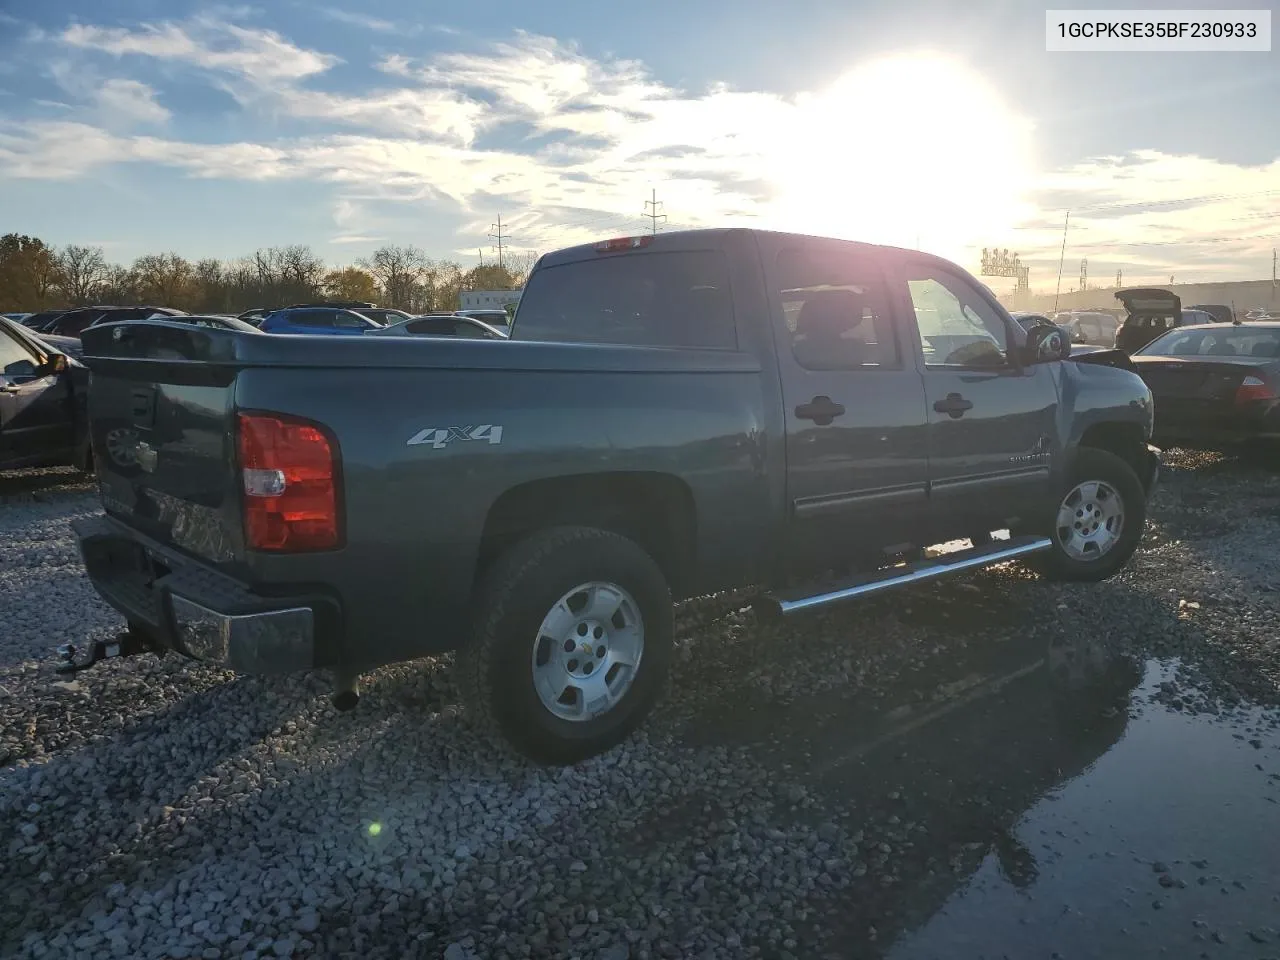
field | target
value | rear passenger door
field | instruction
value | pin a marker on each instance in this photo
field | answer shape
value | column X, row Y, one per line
column 854, row 405
column 992, row 435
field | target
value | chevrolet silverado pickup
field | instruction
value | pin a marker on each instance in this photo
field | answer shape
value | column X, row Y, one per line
column 673, row 416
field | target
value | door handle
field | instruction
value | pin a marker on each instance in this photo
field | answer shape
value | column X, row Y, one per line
column 8, row 388
column 954, row 406
column 821, row 410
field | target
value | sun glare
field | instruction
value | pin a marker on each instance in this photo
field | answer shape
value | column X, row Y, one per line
column 905, row 149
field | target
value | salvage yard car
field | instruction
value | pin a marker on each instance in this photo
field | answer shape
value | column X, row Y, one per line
column 441, row 325
column 321, row 319
column 42, row 403
column 674, row 415
column 1216, row 387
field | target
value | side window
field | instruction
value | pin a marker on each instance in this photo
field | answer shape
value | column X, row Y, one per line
column 432, row 327
column 15, row 359
column 343, row 320
column 835, row 309
column 310, row 318
column 958, row 328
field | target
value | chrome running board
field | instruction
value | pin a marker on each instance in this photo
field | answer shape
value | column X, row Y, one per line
column 794, row 601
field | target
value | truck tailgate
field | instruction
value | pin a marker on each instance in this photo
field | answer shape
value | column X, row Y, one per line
column 161, row 418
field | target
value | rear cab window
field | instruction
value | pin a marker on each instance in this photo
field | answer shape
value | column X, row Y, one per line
column 646, row 298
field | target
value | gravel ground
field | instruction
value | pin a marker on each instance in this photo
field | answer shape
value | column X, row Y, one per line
column 154, row 808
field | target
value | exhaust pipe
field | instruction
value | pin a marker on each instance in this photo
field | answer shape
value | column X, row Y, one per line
column 346, row 690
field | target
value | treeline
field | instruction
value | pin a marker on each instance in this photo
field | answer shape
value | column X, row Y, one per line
column 35, row 276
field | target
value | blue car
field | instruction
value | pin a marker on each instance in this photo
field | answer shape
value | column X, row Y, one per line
column 327, row 321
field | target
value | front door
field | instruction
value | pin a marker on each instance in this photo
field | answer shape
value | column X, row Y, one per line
column 35, row 414
column 993, row 435
column 854, row 405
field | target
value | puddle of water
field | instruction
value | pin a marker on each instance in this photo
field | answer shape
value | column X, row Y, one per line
column 1189, row 793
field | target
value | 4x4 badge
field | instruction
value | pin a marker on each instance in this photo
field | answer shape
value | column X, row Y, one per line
column 440, row 437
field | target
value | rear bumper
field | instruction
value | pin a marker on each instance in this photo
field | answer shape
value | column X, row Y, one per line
column 1258, row 422
column 197, row 611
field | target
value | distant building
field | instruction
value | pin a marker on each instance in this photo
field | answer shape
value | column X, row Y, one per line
column 491, row 299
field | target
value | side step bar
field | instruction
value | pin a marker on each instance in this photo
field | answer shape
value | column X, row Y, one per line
column 794, row 601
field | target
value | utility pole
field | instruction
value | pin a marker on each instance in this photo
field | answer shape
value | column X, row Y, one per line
column 651, row 207
column 1273, row 268
column 1062, row 256
column 1084, row 275
column 495, row 233
column 1119, row 279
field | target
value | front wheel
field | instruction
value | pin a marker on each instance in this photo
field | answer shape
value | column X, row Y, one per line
column 572, row 643
column 1098, row 520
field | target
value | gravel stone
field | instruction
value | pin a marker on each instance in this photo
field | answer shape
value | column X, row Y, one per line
column 155, row 807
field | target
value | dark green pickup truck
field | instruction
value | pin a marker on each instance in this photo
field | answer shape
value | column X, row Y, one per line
column 672, row 416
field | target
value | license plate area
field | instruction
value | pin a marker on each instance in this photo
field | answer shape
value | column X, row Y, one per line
column 136, row 562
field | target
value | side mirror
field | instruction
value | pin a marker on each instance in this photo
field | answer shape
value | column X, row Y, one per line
column 20, row 371
column 1046, row 343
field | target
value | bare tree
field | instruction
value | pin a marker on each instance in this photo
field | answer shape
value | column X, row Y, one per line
column 519, row 265
column 164, row 278
column 119, row 285
column 212, row 293
column 399, row 272
column 81, row 271
column 301, row 271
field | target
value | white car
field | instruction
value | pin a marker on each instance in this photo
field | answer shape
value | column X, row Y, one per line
column 441, row 325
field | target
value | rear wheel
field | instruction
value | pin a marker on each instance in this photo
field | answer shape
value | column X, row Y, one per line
column 572, row 644
column 1097, row 521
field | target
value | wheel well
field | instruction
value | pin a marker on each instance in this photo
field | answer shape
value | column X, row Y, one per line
column 655, row 510
column 1122, row 439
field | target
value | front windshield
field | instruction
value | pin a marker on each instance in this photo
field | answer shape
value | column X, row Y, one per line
column 1231, row 342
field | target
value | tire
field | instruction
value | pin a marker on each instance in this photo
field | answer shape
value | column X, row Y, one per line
column 529, row 611
column 1094, row 466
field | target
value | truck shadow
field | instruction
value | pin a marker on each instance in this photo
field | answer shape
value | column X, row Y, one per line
column 42, row 484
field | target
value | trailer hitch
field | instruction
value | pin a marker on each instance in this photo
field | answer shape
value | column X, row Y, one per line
column 127, row 643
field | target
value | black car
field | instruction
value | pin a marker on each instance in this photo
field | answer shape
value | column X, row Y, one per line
column 72, row 323
column 215, row 321
column 1220, row 312
column 1215, row 386
column 42, row 403
column 37, row 320
column 1149, row 312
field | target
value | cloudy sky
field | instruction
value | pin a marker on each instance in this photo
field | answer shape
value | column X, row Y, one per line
column 143, row 125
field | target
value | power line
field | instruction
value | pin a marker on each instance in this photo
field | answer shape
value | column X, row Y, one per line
column 651, row 211
column 1061, row 257
column 1207, row 198
column 501, row 245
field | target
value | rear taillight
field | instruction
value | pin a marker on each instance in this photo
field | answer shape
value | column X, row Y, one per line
column 623, row 243
column 1254, row 388
column 289, row 470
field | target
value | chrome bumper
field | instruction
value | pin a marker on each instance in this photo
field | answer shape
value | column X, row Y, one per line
column 193, row 609
column 274, row 641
